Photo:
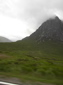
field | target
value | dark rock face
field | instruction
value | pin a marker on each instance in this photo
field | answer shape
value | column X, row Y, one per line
column 52, row 29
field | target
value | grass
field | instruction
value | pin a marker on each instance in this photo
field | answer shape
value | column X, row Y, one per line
column 42, row 62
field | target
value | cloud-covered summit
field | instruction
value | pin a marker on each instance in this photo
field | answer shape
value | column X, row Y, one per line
column 32, row 12
column 32, row 9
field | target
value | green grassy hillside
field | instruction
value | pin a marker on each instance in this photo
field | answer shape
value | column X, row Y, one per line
column 35, row 61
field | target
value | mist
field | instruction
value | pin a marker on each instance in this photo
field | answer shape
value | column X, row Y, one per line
column 31, row 12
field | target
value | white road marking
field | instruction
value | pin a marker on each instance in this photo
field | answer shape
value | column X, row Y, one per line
column 5, row 83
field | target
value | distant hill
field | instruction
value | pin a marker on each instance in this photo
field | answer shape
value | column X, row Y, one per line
column 51, row 29
column 3, row 39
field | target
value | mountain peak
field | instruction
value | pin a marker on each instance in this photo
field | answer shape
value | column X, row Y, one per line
column 56, row 17
column 51, row 29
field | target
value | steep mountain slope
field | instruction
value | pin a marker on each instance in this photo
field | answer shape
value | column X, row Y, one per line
column 40, row 62
column 51, row 29
column 3, row 39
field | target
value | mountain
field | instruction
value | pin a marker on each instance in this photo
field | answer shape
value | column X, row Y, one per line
column 34, row 61
column 3, row 39
column 51, row 29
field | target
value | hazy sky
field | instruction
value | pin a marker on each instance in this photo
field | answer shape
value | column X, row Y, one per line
column 19, row 18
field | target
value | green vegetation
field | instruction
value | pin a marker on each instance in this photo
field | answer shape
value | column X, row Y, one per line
column 33, row 61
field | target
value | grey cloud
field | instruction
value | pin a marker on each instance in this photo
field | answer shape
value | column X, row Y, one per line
column 32, row 11
column 37, row 11
column 27, row 10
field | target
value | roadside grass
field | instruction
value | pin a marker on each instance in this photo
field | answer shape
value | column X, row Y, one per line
column 31, row 61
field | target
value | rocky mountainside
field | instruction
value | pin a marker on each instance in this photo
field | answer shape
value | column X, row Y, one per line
column 3, row 39
column 51, row 29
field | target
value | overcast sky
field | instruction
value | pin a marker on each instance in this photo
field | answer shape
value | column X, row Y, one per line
column 19, row 18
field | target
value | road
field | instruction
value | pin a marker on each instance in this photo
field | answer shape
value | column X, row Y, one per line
column 15, row 81
column 5, row 83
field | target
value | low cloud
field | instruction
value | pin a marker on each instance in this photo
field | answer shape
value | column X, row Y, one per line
column 32, row 12
column 35, row 11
